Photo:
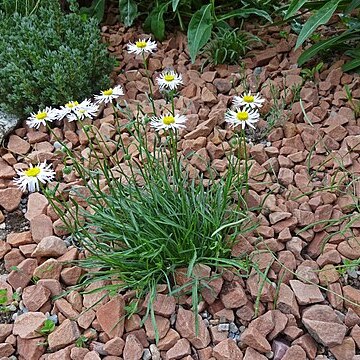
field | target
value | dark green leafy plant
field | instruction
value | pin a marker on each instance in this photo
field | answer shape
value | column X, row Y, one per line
column 347, row 38
column 229, row 46
column 198, row 18
column 49, row 58
column 95, row 10
column 22, row 7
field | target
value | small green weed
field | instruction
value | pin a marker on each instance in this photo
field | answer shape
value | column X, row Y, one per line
column 229, row 47
column 355, row 104
column 310, row 74
column 81, row 341
column 47, row 328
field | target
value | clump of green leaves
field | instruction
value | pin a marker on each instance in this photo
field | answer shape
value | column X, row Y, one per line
column 198, row 18
column 311, row 73
column 229, row 46
column 47, row 328
column 354, row 103
column 346, row 38
column 49, row 58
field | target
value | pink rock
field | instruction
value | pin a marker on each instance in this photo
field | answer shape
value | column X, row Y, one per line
column 308, row 344
column 4, row 248
column 350, row 248
column 92, row 355
column 93, row 298
column 179, row 350
column 295, row 352
column 285, row 176
column 233, row 295
column 286, row 301
column 170, row 339
column 78, row 353
column 114, row 346
column 5, row 331
column 227, row 350
column 41, row 226
column 323, row 325
column 50, row 269
column 70, row 276
column 344, row 351
column 27, row 325
column 50, row 246
column 163, row 305
column 264, row 323
column 133, row 349
column 280, row 321
column 10, row 198
column 22, row 276
column 37, row 205
column 17, row 145
column 17, row 239
column 185, row 325
column 353, row 295
column 251, row 354
column 162, row 324
column 30, row 348
column 66, row 309
column 35, row 296
column 6, row 171
column 53, row 285
column 86, row 318
column 67, row 333
column 253, row 338
column 6, row 350
column 306, row 293
column 279, row 349
column 111, row 317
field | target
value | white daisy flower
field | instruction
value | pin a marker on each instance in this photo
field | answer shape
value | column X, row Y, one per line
column 169, row 80
column 109, row 95
column 35, row 120
column 242, row 116
column 254, row 101
column 168, row 121
column 86, row 109
column 142, row 46
column 31, row 177
column 67, row 109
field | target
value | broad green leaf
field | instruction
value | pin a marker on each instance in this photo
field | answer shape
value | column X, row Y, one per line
column 199, row 30
column 352, row 6
column 97, row 10
column 245, row 13
column 326, row 44
column 320, row 17
column 175, row 4
column 294, row 7
column 128, row 11
column 351, row 65
column 157, row 23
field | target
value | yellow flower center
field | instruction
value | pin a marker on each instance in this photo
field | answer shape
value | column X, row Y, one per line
column 242, row 115
column 32, row 172
column 168, row 120
column 169, row 77
column 41, row 115
column 108, row 92
column 140, row 44
column 81, row 111
column 71, row 104
column 248, row 98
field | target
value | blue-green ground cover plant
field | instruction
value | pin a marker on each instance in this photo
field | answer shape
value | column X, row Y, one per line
column 49, row 57
column 142, row 218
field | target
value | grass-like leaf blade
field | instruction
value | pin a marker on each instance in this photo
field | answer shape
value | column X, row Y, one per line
column 294, row 7
column 199, row 30
column 245, row 13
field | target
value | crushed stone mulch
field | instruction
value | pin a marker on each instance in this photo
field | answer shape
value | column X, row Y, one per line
column 304, row 170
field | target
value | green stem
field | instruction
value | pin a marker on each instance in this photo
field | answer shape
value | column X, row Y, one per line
column 151, row 97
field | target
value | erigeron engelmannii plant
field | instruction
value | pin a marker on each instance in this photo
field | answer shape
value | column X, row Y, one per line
column 254, row 101
column 41, row 117
column 138, row 236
